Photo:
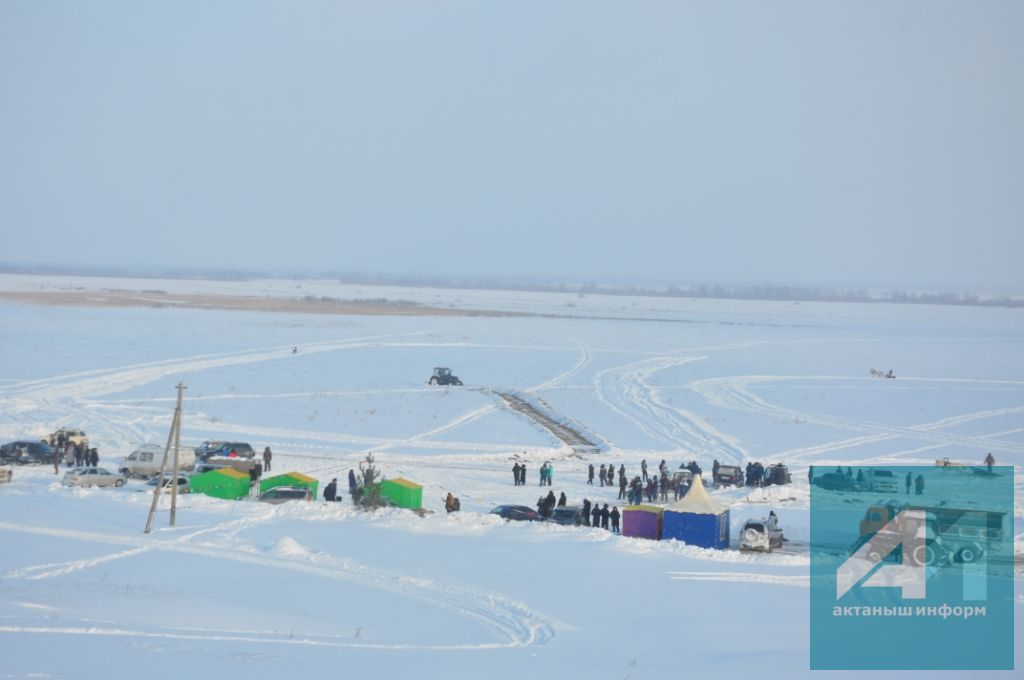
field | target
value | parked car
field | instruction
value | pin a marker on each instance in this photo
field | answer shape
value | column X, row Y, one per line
column 212, row 449
column 728, row 475
column 516, row 513
column 776, row 474
column 85, row 476
column 881, row 481
column 26, row 451
column 145, row 460
column 241, row 464
column 567, row 515
column 168, row 482
column 283, row 494
column 761, row 534
column 75, row 436
column 837, row 481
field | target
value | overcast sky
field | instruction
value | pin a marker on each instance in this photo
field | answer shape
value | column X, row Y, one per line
column 870, row 143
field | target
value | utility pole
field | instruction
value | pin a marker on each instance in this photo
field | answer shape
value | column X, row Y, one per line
column 172, row 436
column 177, row 443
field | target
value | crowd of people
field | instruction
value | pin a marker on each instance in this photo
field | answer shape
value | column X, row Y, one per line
column 73, row 454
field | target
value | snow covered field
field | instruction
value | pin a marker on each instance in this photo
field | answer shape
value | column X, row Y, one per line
column 240, row 587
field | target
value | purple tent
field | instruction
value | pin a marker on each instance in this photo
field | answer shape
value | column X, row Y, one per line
column 642, row 521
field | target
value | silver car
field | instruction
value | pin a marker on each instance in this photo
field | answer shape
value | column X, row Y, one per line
column 763, row 534
column 283, row 494
column 87, row 476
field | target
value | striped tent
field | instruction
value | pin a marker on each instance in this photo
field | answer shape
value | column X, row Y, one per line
column 697, row 519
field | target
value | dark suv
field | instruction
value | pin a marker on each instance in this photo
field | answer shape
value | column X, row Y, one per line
column 24, row 451
column 223, row 449
column 567, row 515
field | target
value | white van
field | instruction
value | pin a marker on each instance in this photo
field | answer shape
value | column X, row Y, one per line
column 145, row 460
column 881, row 481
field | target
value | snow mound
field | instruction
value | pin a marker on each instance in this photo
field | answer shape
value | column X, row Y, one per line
column 779, row 495
column 289, row 547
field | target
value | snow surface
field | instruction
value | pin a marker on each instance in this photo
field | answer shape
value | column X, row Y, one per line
column 308, row 588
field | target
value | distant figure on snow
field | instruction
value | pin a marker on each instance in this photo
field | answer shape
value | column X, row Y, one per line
column 614, row 514
column 331, row 491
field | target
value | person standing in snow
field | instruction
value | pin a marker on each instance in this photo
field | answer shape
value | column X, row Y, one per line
column 919, row 485
column 643, row 469
column 602, row 475
column 562, row 500
column 551, row 473
column 614, row 514
column 604, row 516
column 989, row 461
column 622, row 486
column 543, row 473
column 56, row 461
column 351, row 481
column 908, row 481
column 94, row 458
column 586, row 512
column 590, row 474
column 331, row 491
column 595, row 516
column 515, row 473
column 267, row 457
column 522, row 474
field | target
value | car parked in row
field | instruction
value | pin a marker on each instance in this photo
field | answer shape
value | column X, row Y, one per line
column 516, row 513
column 67, row 434
column 222, row 449
column 168, row 483
column 283, row 494
column 26, row 451
column 89, row 476
column 146, row 459
column 566, row 515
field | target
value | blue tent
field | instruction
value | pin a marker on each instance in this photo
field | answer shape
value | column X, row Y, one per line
column 697, row 519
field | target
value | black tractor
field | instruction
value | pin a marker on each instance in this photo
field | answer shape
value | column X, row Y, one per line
column 443, row 376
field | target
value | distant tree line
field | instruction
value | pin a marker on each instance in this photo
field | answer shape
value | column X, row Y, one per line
column 702, row 291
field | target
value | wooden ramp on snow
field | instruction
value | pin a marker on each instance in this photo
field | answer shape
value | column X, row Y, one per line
column 561, row 431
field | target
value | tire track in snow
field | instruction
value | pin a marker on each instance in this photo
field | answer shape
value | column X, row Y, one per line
column 798, row 580
column 506, row 617
column 734, row 393
column 626, row 391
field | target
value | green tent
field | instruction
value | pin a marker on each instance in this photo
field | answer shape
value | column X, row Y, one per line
column 223, row 483
column 289, row 479
column 403, row 493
